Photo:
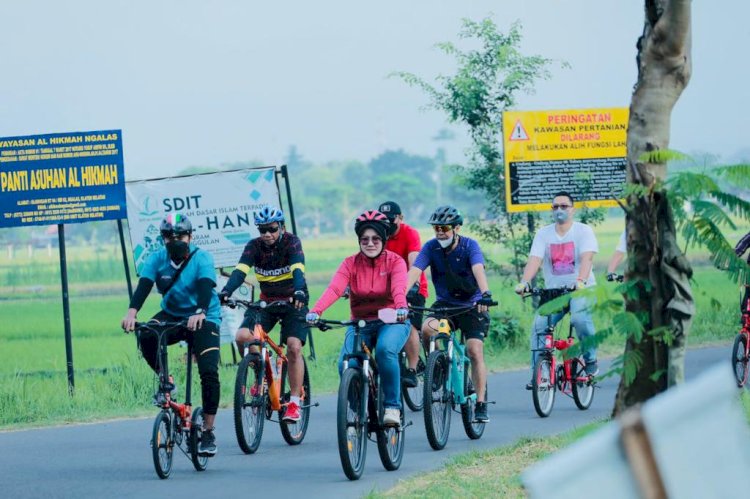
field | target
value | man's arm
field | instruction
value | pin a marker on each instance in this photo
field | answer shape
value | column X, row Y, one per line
column 532, row 267
column 587, row 262
column 412, row 277
column 479, row 274
column 614, row 262
column 136, row 302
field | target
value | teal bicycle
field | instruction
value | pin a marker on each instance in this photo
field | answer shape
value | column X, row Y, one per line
column 447, row 381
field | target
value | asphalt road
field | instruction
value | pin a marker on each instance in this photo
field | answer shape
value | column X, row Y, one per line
column 114, row 458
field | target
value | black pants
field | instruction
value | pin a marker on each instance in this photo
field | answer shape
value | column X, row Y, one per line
column 205, row 344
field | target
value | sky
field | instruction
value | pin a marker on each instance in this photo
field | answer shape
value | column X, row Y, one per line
column 195, row 83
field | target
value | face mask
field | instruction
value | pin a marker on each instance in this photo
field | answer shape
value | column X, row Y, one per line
column 178, row 250
column 445, row 243
column 560, row 216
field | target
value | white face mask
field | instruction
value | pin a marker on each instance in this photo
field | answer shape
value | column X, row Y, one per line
column 561, row 216
column 445, row 243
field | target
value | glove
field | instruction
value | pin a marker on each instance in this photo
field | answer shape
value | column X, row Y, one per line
column 611, row 276
column 402, row 314
column 522, row 287
column 312, row 317
column 413, row 292
column 224, row 296
column 301, row 296
column 486, row 299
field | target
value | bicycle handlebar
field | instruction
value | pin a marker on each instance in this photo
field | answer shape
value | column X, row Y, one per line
column 539, row 291
column 256, row 305
column 447, row 310
column 150, row 325
column 328, row 324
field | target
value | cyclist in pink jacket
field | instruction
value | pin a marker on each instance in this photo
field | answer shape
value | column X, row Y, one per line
column 376, row 279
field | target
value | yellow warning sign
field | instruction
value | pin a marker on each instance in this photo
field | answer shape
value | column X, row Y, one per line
column 581, row 151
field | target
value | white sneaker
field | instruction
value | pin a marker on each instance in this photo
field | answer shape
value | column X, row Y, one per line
column 392, row 416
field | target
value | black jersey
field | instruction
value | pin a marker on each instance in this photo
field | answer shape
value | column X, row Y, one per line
column 274, row 265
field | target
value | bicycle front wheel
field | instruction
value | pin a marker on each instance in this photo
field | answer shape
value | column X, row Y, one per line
column 739, row 359
column 294, row 432
column 196, row 432
column 390, row 438
column 351, row 424
column 437, row 398
column 249, row 404
column 414, row 396
column 474, row 429
column 162, row 444
column 583, row 386
column 543, row 389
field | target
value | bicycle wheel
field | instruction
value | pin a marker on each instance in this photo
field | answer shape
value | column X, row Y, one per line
column 414, row 396
column 351, row 424
column 739, row 359
column 294, row 433
column 196, row 432
column 162, row 444
column 543, row 390
column 437, row 396
column 473, row 429
column 583, row 387
column 390, row 438
column 249, row 404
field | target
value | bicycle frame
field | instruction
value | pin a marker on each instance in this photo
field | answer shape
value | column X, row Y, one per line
column 550, row 346
column 368, row 369
column 456, row 352
column 184, row 410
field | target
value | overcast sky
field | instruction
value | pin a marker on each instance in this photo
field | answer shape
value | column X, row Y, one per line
column 208, row 83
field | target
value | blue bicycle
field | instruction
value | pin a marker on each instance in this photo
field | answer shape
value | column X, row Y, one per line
column 447, row 382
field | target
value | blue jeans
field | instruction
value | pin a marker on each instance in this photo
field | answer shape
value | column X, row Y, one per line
column 391, row 338
column 580, row 317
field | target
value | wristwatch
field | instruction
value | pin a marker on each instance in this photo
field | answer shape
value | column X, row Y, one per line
column 199, row 311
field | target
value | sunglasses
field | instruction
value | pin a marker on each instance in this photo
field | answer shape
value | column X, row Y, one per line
column 561, row 206
column 272, row 230
column 368, row 240
column 442, row 228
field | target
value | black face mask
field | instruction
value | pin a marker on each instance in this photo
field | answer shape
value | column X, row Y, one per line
column 178, row 250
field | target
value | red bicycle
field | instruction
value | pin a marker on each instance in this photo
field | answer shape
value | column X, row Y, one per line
column 741, row 349
column 176, row 425
column 570, row 377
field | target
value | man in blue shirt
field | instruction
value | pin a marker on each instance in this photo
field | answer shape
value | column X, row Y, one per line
column 457, row 268
column 185, row 277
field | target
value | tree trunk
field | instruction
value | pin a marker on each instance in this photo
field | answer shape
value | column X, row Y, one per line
column 654, row 259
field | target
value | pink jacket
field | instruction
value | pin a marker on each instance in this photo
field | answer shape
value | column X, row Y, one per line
column 373, row 284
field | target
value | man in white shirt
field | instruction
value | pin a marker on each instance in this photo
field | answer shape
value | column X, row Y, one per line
column 565, row 251
column 617, row 257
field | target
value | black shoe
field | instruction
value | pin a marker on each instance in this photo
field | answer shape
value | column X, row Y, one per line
column 480, row 413
column 592, row 368
column 410, row 378
column 207, row 445
column 529, row 385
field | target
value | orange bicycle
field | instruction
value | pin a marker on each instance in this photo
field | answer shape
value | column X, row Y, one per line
column 260, row 388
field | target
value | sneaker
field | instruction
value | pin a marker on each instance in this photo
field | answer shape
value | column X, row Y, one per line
column 410, row 378
column 291, row 414
column 392, row 417
column 480, row 413
column 207, row 445
column 592, row 368
column 529, row 385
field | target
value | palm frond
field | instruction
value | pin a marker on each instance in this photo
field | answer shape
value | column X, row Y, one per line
column 663, row 156
column 737, row 175
column 691, row 185
column 710, row 211
column 733, row 203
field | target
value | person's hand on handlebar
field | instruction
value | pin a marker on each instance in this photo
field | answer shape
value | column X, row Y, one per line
column 312, row 317
column 484, row 303
column 195, row 321
column 128, row 322
column 224, row 296
column 402, row 314
column 612, row 276
column 300, row 299
column 522, row 288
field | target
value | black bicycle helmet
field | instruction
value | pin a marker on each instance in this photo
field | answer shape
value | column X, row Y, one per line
column 175, row 224
column 446, row 215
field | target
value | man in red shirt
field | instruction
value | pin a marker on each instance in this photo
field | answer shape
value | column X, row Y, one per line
column 404, row 240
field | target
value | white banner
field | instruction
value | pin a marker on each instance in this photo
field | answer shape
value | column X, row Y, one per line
column 219, row 205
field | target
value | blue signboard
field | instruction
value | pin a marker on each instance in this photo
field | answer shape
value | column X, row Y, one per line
column 61, row 178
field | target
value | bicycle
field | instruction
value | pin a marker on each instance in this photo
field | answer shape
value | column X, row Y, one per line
column 260, row 387
column 741, row 349
column 357, row 415
column 570, row 378
column 446, row 382
column 176, row 424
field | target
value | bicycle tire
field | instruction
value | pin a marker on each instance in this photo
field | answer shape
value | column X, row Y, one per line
column 414, row 396
column 162, row 444
column 294, row 433
column 543, row 391
column 437, row 396
column 249, row 417
column 474, row 430
column 196, row 432
column 390, row 439
column 739, row 359
column 583, row 386
column 351, row 424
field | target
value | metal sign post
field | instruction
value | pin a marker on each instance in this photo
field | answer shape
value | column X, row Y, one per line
column 66, row 309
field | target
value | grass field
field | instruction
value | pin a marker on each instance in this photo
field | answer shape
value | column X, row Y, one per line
column 32, row 375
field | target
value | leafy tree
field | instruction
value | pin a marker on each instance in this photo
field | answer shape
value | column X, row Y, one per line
column 485, row 84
